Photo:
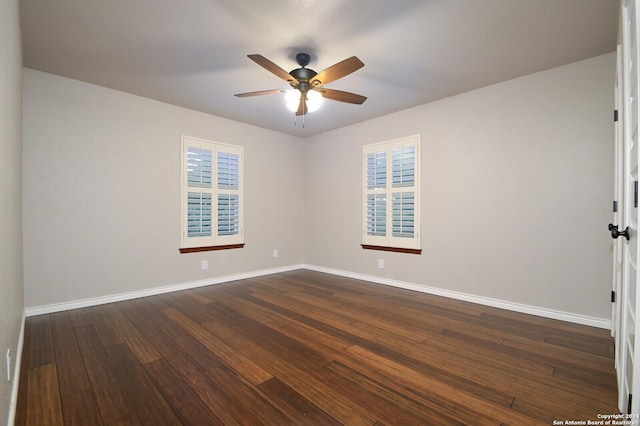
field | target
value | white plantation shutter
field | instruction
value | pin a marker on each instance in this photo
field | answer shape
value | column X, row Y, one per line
column 376, row 170
column 211, row 193
column 391, row 195
column 200, row 190
column 228, row 193
column 199, row 167
column 402, row 217
column 228, row 170
column 228, row 214
column 403, row 161
column 199, row 214
column 376, row 215
column 376, row 180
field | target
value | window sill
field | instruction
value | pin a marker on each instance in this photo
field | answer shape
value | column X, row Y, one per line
column 210, row 248
column 393, row 249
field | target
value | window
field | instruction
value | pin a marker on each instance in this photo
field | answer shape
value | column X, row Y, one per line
column 212, row 203
column 391, row 195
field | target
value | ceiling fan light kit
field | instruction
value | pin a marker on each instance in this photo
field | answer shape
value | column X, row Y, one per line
column 308, row 86
column 292, row 99
column 313, row 101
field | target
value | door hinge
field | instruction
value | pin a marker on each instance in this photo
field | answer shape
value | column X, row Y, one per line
column 615, row 115
column 615, row 206
column 613, row 296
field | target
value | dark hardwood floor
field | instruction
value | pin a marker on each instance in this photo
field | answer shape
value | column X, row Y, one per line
column 303, row 347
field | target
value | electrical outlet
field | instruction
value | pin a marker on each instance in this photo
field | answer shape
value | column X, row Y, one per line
column 205, row 265
column 8, row 365
column 275, row 252
column 380, row 263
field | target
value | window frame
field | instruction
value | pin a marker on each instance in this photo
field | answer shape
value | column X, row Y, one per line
column 215, row 241
column 388, row 242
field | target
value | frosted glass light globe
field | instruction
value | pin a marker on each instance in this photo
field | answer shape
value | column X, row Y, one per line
column 292, row 99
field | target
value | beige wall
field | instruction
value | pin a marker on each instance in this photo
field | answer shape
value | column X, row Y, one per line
column 11, row 285
column 516, row 191
column 102, row 193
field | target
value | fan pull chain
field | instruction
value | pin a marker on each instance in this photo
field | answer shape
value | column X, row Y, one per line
column 295, row 121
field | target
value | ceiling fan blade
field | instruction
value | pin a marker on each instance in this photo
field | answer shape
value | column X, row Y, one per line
column 302, row 107
column 340, row 96
column 273, row 68
column 259, row 93
column 337, row 71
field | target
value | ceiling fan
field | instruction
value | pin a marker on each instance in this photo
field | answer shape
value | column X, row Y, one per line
column 309, row 83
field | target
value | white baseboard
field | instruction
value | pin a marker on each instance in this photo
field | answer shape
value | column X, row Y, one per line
column 496, row 303
column 16, row 375
column 65, row 306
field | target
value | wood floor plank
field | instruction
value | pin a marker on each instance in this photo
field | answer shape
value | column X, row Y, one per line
column 109, row 335
column 304, row 347
column 81, row 316
column 138, row 344
column 390, row 406
column 429, row 405
column 454, row 321
column 366, row 342
column 303, row 411
column 499, row 315
column 228, row 395
column 312, row 337
column 434, row 350
column 317, row 315
column 155, row 327
column 579, row 343
column 81, row 408
column 41, row 351
column 111, row 399
column 401, row 325
column 244, row 366
column 153, row 316
column 478, row 411
column 182, row 398
column 115, row 405
column 268, row 338
column 528, row 374
column 188, row 306
column 72, row 376
column 146, row 399
column 44, row 407
column 341, row 407
column 555, row 355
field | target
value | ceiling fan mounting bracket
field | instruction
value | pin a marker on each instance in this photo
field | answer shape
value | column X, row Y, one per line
column 303, row 59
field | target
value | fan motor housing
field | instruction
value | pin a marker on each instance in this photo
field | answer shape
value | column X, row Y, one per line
column 303, row 74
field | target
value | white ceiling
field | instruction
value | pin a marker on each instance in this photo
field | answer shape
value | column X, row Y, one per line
column 192, row 53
